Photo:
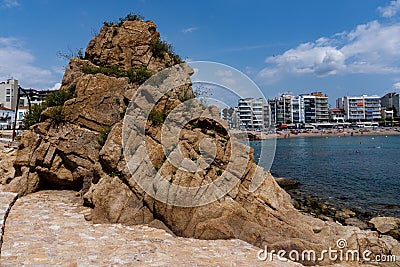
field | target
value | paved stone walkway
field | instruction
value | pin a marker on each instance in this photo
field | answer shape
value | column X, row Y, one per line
column 7, row 200
column 48, row 229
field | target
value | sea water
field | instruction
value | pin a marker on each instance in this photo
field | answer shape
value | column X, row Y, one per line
column 360, row 172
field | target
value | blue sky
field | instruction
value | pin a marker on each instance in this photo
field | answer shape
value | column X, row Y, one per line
column 339, row 47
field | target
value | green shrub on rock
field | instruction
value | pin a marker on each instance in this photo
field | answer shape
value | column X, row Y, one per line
column 135, row 75
column 57, row 114
column 32, row 116
column 103, row 135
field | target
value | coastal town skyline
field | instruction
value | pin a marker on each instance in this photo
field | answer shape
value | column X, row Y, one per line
column 310, row 46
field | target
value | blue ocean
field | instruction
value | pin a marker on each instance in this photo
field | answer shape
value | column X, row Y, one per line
column 359, row 172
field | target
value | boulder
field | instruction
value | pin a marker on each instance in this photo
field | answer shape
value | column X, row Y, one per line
column 7, row 171
column 387, row 225
column 287, row 183
column 114, row 202
column 357, row 223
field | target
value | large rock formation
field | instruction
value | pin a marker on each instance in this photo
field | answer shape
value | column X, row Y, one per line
column 84, row 152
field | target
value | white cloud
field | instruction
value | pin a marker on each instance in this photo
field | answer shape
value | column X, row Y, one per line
column 396, row 86
column 224, row 73
column 56, row 86
column 9, row 3
column 227, row 77
column 270, row 75
column 190, row 30
column 369, row 48
column 18, row 63
column 390, row 10
column 310, row 58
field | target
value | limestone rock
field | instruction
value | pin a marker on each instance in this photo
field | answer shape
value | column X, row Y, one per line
column 357, row 223
column 287, row 183
column 126, row 46
column 99, row 101
column 387, row 226
column 7, row 171
column 111, row 153
column 114, row 203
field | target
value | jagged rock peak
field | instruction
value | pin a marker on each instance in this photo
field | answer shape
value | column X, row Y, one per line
column 130, row 44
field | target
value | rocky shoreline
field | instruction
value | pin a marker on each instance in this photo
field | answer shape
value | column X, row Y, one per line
column 325, row 210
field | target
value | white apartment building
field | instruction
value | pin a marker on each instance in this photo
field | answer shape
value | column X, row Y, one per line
column 361, row 107
column 281, row 109
column 306, row 108
column 313, row 108
column 32, row 96
column 252, row 113
column 9, row 93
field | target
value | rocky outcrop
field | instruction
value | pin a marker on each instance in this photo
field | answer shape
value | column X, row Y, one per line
column 85, row 153
column 287, row 183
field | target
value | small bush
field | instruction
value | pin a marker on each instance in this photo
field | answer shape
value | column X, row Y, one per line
column 57, row 114
column 219, row 172
column 157, row 117
column 185, row 97
column 77, row 53
column 33, row 115
column 159, row 48
column 103, row 135
column 115, row 174
column 58, row 98
column 54, row 99
column 138, row 76
column 130, row 17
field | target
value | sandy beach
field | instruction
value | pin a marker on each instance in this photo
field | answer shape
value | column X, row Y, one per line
column 326, row 133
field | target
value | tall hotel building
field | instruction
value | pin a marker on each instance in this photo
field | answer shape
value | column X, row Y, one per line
column 361, row 107
column 9, row 93
column 253, row 113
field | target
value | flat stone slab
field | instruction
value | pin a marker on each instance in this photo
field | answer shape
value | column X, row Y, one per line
column 48, row 229
column 6, row 202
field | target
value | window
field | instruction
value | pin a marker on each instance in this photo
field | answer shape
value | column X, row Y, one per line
column 8, row 98
column 8, row 91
